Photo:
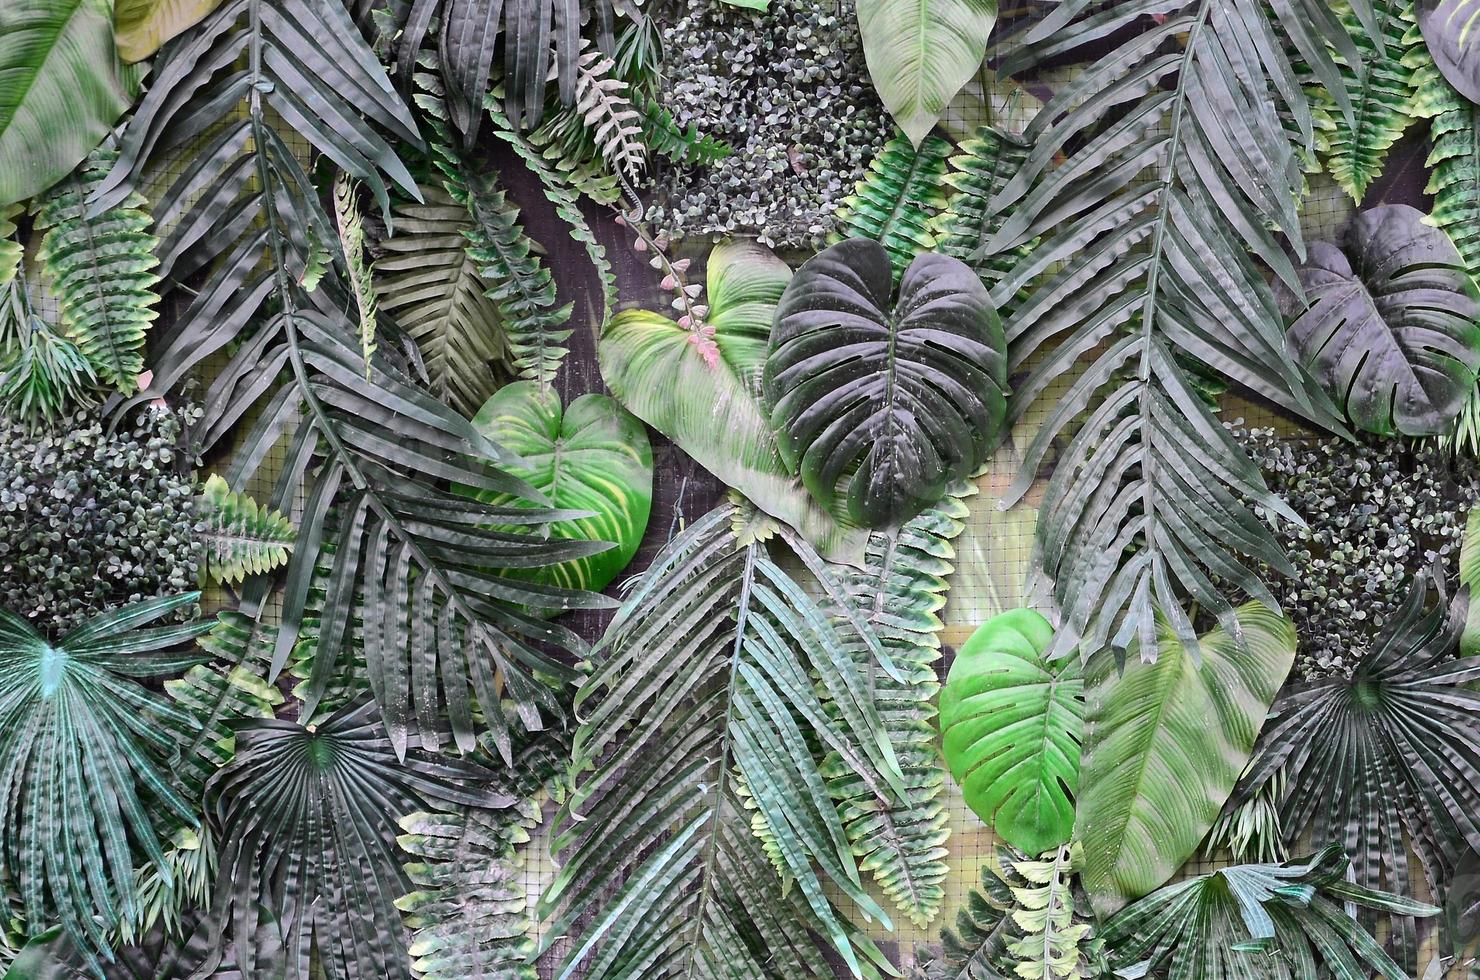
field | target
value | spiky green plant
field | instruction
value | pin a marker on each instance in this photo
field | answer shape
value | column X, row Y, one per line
column 897, row 199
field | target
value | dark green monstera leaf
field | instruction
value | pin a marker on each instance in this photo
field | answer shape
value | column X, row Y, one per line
column 1451, row 32
column 1011, row 725
column 593, row 456
column 1389, row 325
column 900, row 396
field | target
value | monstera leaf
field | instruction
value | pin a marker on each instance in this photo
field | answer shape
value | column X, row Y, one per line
column 593, row 456
column 1164, row 745
column 921, row 52
column 902, row 396
column 1389, row 329
column 1011, row 725
column 140, row 27
column 699, row 385
column 1451, row 31
column 61, row 89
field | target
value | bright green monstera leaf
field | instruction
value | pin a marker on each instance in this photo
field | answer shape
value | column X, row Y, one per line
column 62, row 88
column 699, row 385
column 592, row 456
column 1011, row 725
column 1164, row 744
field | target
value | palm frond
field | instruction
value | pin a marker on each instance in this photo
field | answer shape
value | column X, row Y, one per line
column 240, row 538
column 1380, row 90
column 86, row 775
column 102, row 272
column 704, row 680
column 1153, row 229
column 428, row 282
column 310, row 814
column 897, row 199
column 899, row 592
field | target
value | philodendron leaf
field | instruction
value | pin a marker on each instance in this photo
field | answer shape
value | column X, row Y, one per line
column 1011, row 725
column 140, row 27
column 62, row 88
column 1164, row 744
column 592, row 456
column 1389, row 326
column 1451, row 31
column 921, row 52
column 900, row 397
column 700, row 387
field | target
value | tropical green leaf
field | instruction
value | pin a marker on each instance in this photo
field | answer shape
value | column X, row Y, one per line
column 702, row 681
column 897, row 199
column 1164, row 744
column 359, row 276
column 1154, row 212
column 899, row 591
column 699, row 385
column 1389, row 324
column 966, row 228
column 602, row 127
column 921, row 52
column 1469, row 578
column 43, row 375
column 162, row 954
column 310, row 814
column 1011, row 727
column 592, row 456
column 1380, row 90
column 900, row 396
column 1386, row 761
column 11, row 250
column 102, row 272
column 426, row 279
column 85, row 774
column 141, row 27
column 239, row 537
column 1450, row 33
column 1256, row 922
column 62, row 88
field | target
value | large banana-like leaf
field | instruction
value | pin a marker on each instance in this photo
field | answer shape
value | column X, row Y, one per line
column 102, row 272
column 899, row 396
column 1152, row 235
column 308, row 817
column 1386, row 761
column 899, row 591
column 1380, row 89
column 921, row 52
column 62, row 88
column 590, row 456
column 700, row 712
column 1390, row 323
column 1257, row 922
column 141, row 27
column 1451, row 31
column 86, row 762
column 897, row 200
column 1011, row 727
column 699, row 385
column 1164, row 745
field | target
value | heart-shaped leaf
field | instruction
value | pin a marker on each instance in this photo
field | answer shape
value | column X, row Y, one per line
column 1011, row 725
column 1389, row 327
column 1451, row 32
column 900, row 397
column 700, row 387
column 592, row 456
column 1164, row 744
column 61, row 89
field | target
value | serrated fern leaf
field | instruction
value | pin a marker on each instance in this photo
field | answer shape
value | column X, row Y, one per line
column 900, row 590
column 603, row 124
column 360, row 278
column 666, row 138
column 429, row 283
column 10, row 249
column 964, row 230
column 102, row 271
column 1381, row 94
column 896, row 200
column 239, row 537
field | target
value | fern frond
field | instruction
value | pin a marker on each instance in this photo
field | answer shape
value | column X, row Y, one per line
column 965, row 229
column 429, row 283
column 1051, row 938
column 1381, row 92
column 43, row 375
column 666, row 138
column 10, row 249
column 899, row 591
column 602, row 125
column 102, row 272
column 360, row 279
column 897, row 199
column 239, row 537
